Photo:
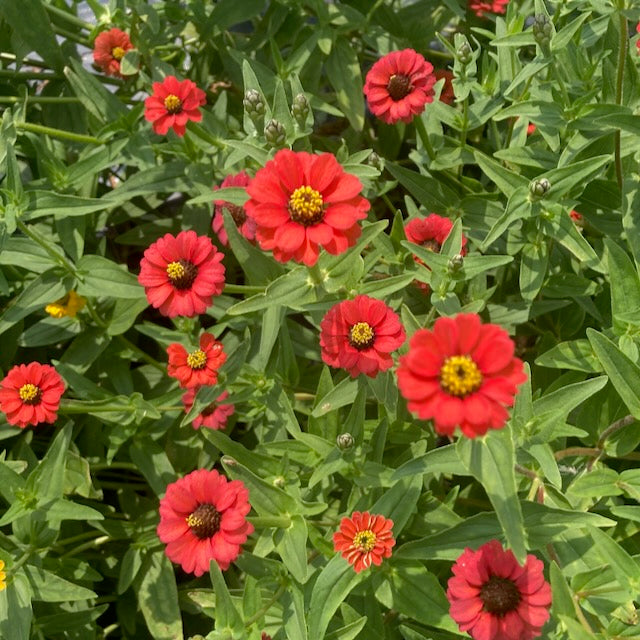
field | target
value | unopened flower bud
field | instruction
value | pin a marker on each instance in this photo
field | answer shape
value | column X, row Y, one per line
column 464, row 53
column 345, row 441
column 542, row 29
column 229, row 461
column 279, row 481
column 253, row 104
column 300, row 109
column 539, row 188
column 275, row 134
column 455, row 263
column 374, row 160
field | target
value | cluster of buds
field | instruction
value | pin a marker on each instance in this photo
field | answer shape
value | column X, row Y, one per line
column 300, row 109
column 275, row 134
column 464, row 53
column 539, row 188
column 254, row 105
column 542, row 30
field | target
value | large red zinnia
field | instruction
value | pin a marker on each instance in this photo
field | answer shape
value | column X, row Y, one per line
column 172, row 104
column 245, row 223
column 301, row 201
column 214, row 415
column 364, row 539
column 200, row 367
column 399, row 85
column 462, row 373
column 359, row 336
column 109, row 48
column 480, row 8
column 493, row 598
column 182, row 273
column 30, row 394
column 202, row 518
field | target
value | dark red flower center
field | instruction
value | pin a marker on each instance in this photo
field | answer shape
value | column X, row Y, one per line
column 173, row 104
column 460, row 376
column 432, row 245
column 399, row 86
column 237, row 213
column 182, row 273
column 500, row 595
column 204, row 521
column 306, row 206
column 209, row 409
column 118, row 53
column 30, row 393
column 361, row 335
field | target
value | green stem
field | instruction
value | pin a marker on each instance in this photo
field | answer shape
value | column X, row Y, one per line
column 276, row 596
column 127, row 466
column 94, row 315
column 57, row 133
column 21, row 560
column 87, row 545
column 280, row 522
column 612, row 428
column 424, row 136
column 28, row 75
column 622, row 55
column 242, row 288
column 40, row 99
column 69, row 17
column 57, row 257
column 69, row 35
column 141, row 354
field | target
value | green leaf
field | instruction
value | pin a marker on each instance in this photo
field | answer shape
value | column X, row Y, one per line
column 15, row 609
column 429, row 192
column 441, row 460
column 624, row 282
column 507, row 181
column 562, row 596
column 533, row 269
column 595, row 484
column 399, row 502
column 49, row 587
column 518, row 208
column 227, row 616
column 563, row 400
column 165, row 178
column 291, row 544
column 344, row 393
column 102, row 277
column 343, row 71
column 575, row 354
column 624, row 566
column 491, row 461
column 47, row 203
column 349, row 631
column 48, row 476
column 154, row 465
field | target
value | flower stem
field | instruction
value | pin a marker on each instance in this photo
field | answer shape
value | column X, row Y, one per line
column 281, row 522
column 69, row 17
column 276, row 596
column 622, row 55
column 40, row 99
column 424, row 137
column 143, row 355
column 57, row 133
column 59, row 258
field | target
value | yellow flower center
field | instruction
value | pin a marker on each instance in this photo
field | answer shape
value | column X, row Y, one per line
column 364, row 540
column 361, row 335
column 460, row 376
column 29, row 393
column 173, row 104
column 182, row 273
column 118, row 53
column 306, row 206
column 197, row 359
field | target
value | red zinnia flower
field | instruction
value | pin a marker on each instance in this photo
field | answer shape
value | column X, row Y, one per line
column 399, row 85
column 638, row 41
column 202, row 518
column 462, row 373
column 447, row 95
column 301, row 201
column 245, row 223
column 30, row 394
column 109, row 48
column 493, row 598
column 480, row 8
column 172, row 104
column 359, row 336
column 531, row 128
column 364, row 539
column 200, row 367
column 214, row 415
column 181, row 274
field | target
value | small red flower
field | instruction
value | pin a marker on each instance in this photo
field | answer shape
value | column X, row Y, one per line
column 200, row 367
column 109, row 48
column 214, row 415
column 203, row 518
column 447, row 95
column 531, row 128
column 301, row 201
column 399, row 85
column 364, row 539
column 431, row 232
column 493, row 598
column 481, row 8
column 638, row 41
column 462, row 373
column 181, row 274
column 359, row 335
column 172, row 104
column 245, row 223
column 576, row 217
column 30, row 394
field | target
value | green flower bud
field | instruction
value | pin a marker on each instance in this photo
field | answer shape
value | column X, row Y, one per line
column 375, row 160
column 300, row 109
column 464, row 53
column 275, row 133
column 279, row 481
column 539, row 188
column 345, row 441
column 542, row 29
column 455, row 263
column 253, row 104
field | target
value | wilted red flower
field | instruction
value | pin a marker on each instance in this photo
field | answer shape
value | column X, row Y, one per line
column 245, row 223
column 30, row 394
column 481, row 8
column 109, row 48
column 172, row 104
column 359, row 336
column 181, row 274
column 214, row 415
column 200, row 367
column 447, row 95
column 399, row 85
column 301, row 201
column 493, row 598
column 364, row 539
column 202, row 518
column 462, row 373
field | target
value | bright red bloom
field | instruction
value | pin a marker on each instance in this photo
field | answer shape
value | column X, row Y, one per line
column 359, row 335
column 246, row 224
column 481, row 8
column 431, row 232
column 493, row 598
column 399, row 85
column 214, row 415
column 200, row 367
column 301, row 201
column 462, row 373
column 181, row 274
column 202, row 518
column 109, row 48
column 172, row 104
column 447, row 95
column 30, row 394
column 364, row 539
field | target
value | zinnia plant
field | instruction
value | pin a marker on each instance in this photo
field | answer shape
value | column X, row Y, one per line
column 198, row 367
column 109, row 48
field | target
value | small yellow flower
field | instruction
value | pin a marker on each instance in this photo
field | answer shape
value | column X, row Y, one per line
column 67, row 306
column 3, row 575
